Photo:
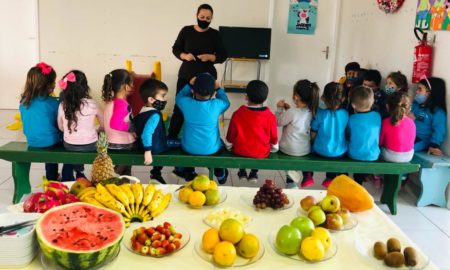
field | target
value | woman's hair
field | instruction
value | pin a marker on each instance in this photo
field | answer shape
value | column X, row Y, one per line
column 71, row 97
column 205, row 6
column 308, row 93
column 39, row 84
column 399, row 105
column 400, row 80
column 437, row 89
column 113, row 82
column 332, row 95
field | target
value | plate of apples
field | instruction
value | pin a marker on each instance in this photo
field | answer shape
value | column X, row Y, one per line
column 327, row 213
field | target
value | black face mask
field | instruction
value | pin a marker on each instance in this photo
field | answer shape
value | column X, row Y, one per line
column 202, row 24
column 159, row 105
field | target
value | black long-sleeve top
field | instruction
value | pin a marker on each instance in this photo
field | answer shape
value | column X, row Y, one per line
column 190, row 40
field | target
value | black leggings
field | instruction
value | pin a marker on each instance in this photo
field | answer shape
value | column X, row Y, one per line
column 176, row 122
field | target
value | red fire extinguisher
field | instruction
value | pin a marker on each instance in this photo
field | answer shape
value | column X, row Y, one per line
column 423, row 54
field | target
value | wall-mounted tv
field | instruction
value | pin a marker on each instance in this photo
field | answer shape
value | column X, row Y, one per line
column 246, row 42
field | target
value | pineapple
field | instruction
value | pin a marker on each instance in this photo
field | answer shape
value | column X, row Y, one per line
column 103, row 167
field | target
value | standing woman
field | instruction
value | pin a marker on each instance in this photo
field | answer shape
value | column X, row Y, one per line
column 199, row 47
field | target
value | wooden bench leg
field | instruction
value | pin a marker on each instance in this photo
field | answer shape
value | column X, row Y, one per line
column 391, row 185
column 21, row 176
column 434, row 183
column 211, row 173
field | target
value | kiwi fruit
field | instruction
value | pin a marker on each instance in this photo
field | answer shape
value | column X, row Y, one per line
column 410, row 256
column 393, row 245
column 394, row 259
column 379, row 250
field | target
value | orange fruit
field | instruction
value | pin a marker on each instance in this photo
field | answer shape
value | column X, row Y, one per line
column 224, row 254
column 210, row 240
column 212, row 185
column 231, row 230
column 183, row 194
column 197, row 199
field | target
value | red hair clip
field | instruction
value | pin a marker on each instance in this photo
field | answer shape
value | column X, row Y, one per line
column 69, row 78
column 45, row 69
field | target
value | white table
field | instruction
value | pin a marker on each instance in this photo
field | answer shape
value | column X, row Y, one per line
column 373, row 222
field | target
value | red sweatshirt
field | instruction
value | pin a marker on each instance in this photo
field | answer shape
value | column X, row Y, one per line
column 252, row 132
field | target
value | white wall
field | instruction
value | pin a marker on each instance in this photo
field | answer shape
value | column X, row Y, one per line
column 18, row 47
column 98, row 36
column 386, row 42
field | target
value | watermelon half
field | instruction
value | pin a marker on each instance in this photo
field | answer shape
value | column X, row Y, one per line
column 79, row 235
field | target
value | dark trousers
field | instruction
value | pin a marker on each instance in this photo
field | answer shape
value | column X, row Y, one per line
column 51, row 172
column 176, row 122
column 79, row 168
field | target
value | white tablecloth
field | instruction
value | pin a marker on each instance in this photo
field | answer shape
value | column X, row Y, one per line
column 371, row 224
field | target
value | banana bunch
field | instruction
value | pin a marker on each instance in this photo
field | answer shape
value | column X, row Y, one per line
column 133, row 201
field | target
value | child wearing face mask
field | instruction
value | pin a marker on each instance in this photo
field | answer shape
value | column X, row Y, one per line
column 372, row 79
column 150, row 129
column 429, row 115
column 396, row 81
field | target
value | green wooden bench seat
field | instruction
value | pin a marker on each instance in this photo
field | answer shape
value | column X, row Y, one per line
column 22, row 156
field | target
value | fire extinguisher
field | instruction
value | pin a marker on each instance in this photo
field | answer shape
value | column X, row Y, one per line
column 423, row 54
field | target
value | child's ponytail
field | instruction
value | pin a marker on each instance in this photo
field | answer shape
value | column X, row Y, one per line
column 399, row 105
column 308, row 93
column 113, row 82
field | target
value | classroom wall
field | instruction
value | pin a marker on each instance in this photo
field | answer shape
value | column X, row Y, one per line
column 386, row 42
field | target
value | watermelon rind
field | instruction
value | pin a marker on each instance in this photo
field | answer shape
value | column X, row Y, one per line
column 71, row 259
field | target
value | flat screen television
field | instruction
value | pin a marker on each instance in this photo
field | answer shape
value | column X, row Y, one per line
column 246, row 42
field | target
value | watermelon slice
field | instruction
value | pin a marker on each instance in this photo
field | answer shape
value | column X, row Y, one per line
column 79, row 235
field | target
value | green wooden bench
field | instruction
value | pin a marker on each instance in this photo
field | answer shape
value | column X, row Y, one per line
column 21, row 157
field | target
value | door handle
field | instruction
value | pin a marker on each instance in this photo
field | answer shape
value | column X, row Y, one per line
column 327, row 52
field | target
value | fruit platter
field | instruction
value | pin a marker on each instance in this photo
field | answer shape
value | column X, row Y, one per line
column 268, row 197
column 327, row 213
column 215, row 218
column 300, row 241
column 156, row 240
column 200, row 192
column 229, row 245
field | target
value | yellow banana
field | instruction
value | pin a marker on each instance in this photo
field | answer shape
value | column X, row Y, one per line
column 138, row 192
column 126, row 188
column 120, row 195
column 85, row 190
column 148, row 196
column 163, row 205
column 104, row 197
column 89, row 193
column 92, row 200
column 156, row 201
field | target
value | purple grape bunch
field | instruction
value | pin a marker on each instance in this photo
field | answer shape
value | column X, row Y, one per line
column 270, row 196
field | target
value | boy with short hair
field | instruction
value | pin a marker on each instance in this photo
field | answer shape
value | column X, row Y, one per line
column 253, row 123
column 202, row 102
column 363, row 128
column 149, row 123
column 372, row 79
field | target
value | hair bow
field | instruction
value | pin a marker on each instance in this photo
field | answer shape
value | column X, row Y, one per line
column 424, row 77
column 45, row 69
column 69, row 78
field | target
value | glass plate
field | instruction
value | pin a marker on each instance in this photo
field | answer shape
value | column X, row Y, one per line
column 222, row 193
column 240, row 261
column 351, row 222
column 248, row 200
column 364, row 245
column 129, row 233
column 329, row 253
column 52, row 265
column 215, row 218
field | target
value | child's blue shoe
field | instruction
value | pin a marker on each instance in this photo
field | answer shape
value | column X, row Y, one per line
column 222, row 178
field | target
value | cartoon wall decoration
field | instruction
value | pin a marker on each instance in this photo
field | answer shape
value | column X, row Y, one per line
column 302, row 17
column 433, row 14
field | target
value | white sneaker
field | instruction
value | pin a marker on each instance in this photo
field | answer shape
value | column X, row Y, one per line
column 291, row 186
column 294, row 175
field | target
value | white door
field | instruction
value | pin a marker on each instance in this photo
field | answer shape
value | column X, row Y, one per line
column 18, row 48
column 295, row 57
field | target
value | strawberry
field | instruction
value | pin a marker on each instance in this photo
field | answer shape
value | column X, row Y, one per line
column 178, row 235
column 177, row 243
column 167, row 225
column 171, row 248
column 165, row 243
column 136, row 246
column 150, row 231
column 156, row 236
column 160, row 251
column 141, row 238
column 156, row 244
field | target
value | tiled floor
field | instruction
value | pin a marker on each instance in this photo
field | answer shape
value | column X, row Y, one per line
column 428, row 227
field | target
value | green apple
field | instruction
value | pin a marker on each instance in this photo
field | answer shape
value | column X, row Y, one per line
column 330, row 204
column 308, row 202
column 304, row 225
column 312, row 208
column 334, row 222
column 317, row 216
column 288, row 240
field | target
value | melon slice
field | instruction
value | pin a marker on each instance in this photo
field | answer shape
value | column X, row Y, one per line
column 79, row 235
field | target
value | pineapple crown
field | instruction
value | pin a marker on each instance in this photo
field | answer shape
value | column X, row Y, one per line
column 102, row 143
